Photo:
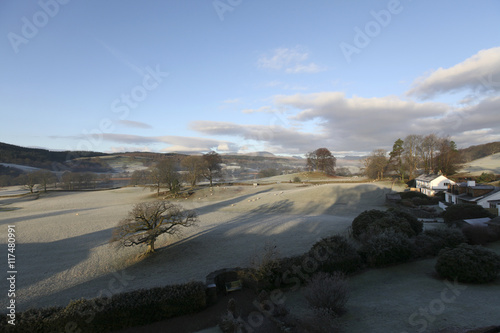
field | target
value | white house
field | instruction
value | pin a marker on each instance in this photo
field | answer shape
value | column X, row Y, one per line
column 486, row 196
column 430, row 184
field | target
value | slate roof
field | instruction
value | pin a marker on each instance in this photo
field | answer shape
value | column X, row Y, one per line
column 427, row 177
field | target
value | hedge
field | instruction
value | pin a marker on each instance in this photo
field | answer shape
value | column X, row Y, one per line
column 135, row 308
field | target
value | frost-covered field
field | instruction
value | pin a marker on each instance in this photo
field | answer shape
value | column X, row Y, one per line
column 486, row 164
column 62, row 250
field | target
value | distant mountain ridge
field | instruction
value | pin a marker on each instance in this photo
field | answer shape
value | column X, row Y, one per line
column 44, row 158
column 38, row 157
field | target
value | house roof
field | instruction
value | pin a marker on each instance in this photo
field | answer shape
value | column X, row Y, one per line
column 479, row 221
column 494, row 221
column 428, row 177
column 466, row 197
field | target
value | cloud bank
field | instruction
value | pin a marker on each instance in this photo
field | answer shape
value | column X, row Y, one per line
column 480, row 73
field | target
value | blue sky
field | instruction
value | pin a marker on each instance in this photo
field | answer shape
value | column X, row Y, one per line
column 240, row 76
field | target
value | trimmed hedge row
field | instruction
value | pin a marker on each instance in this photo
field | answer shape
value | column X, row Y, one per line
column 135, row 308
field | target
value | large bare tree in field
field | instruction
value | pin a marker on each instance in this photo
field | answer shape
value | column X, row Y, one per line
column 148, row 220
column 212, row 167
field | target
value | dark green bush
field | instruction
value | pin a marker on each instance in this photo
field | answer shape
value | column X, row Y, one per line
column 362, row 221
column 336, row 253
column 464, row 211
column 480, row 235
column 468, row 263
column 416, row 225
column 430, row 242
column 373, row 222
column 387, row 248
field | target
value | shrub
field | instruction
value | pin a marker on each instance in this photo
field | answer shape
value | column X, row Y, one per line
column 319, row 321
column 416, row 225
column 387, row 248
column 480, row 235
column 362, row 221
column 430, row 242
column 297, row 179
column 464, row 211
column 412, row 194
column 327, row 292
column 286, row 275
column 468, row 263
column 336, row 253
column 266, row 267
column 486, row 177
column 231, row 321
column 373, row 222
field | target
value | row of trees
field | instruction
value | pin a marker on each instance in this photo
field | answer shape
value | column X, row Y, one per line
column 431, row 154
column 167, row 172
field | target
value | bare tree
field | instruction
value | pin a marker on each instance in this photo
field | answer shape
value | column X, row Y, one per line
column 411, row 145
column 448, row 160
column 212, row 167
column 44, row 178
column 322, row 159
column 164, row 173
column 194, row 166
column 376, row 164
column 139, row 177
column 29, row 180
column 428, row 149
column 148, row 220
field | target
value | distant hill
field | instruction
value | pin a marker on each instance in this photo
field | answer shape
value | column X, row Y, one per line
column 479, row 151
column 260, row 153
column 39, row 158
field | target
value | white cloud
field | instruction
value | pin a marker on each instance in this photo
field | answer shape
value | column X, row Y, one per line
column 291, row 60
column 262, row 109
column 301, row 68
column 481, row 73
column 134, row 124
column 175, row 143
column 277, row 138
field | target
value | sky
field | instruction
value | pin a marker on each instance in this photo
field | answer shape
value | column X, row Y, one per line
column 282, row 76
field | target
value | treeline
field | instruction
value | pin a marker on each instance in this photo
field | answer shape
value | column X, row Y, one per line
column 171, row 171
column 413, row 155
column 39, row 158
column 41, row 180
column 83, row 180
